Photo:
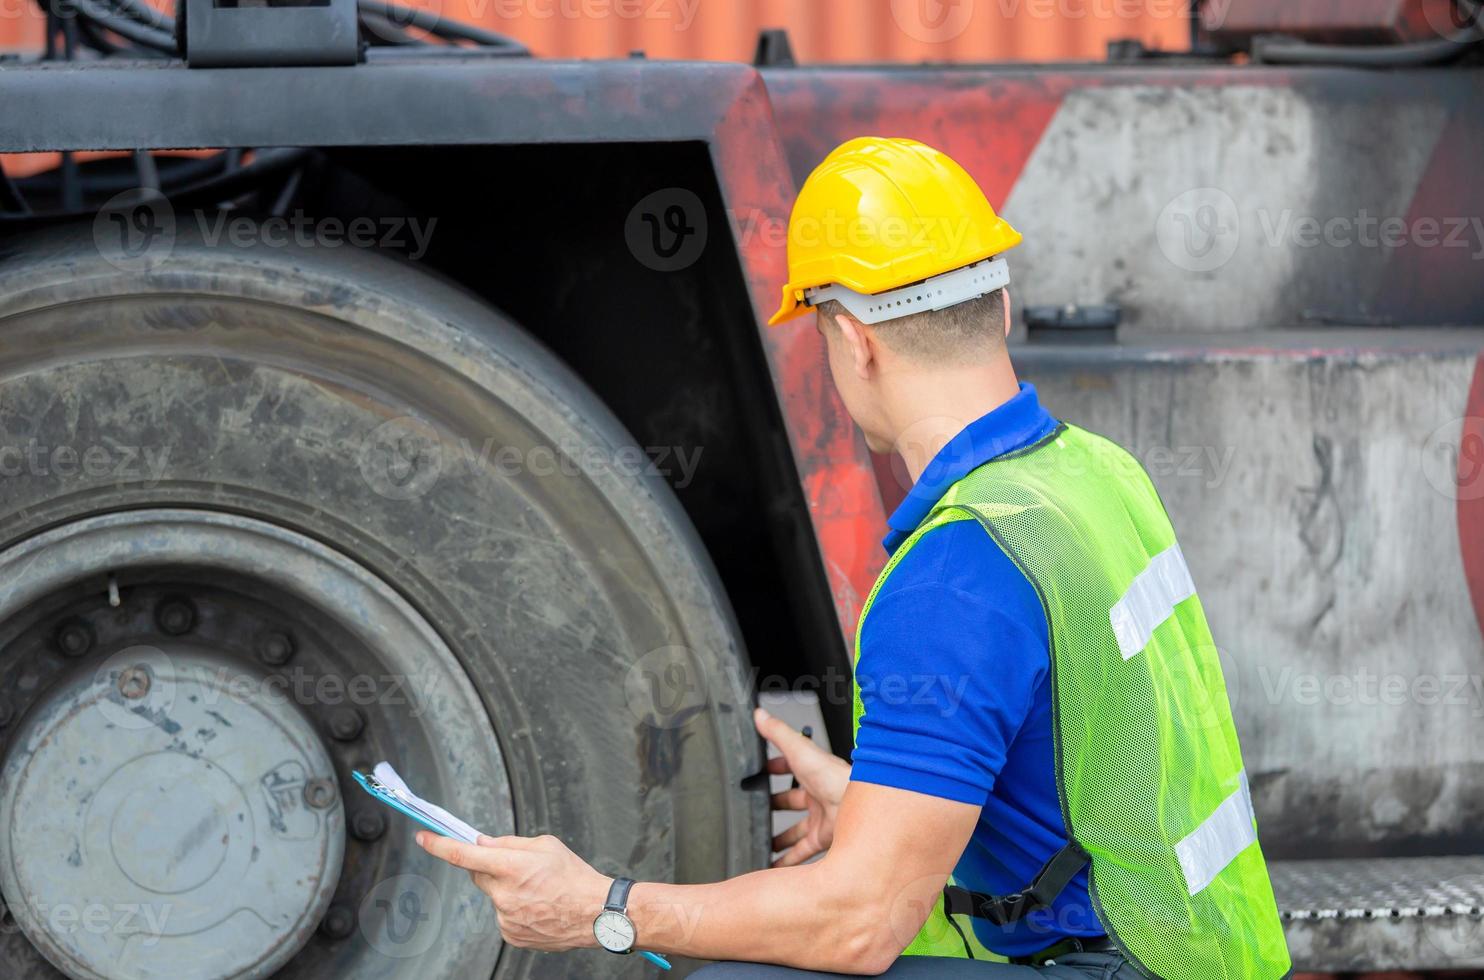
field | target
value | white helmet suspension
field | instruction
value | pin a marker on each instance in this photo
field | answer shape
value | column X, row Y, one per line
column 937, row 293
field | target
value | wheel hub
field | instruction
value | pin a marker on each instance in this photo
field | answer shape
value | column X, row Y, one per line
column 186, row 694
column 189, row 810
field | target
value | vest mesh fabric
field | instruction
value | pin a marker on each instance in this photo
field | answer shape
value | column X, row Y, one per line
column 1149, row 770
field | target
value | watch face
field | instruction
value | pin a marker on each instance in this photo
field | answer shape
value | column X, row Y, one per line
column 614, row 931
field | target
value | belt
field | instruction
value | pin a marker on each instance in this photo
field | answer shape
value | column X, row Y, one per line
column 1074, row 944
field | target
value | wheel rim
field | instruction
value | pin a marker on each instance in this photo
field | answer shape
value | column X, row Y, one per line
column 221, row 676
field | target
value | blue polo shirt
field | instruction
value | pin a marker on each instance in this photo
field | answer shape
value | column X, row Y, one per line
column 954, row 673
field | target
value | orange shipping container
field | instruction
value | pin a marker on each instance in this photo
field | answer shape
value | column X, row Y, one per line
column 821, row 30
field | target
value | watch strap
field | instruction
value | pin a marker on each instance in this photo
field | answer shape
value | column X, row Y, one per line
column 618, row 895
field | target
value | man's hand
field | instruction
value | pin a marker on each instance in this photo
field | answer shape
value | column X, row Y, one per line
column 822, row 780
column 889, row 853
column 852, row 912
column 545, row 896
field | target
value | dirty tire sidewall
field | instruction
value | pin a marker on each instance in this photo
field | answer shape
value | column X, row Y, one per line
column 396, row 418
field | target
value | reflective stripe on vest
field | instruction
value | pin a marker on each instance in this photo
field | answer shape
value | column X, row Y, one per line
column 1151, row 600
column 1223, row 835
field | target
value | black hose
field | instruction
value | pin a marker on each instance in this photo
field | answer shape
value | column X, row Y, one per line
column 144, row 14
column 437, row 26
column 1287, row 51
column 69, row 38
column 155, row 30
column 112, row 175
column 72, row 193
column 148, row 173
column 380, row 30
column 1280, row 50
column 109, row 19
column 11, row 200
column 234, row 183
column 93, row 37
column 213, row 189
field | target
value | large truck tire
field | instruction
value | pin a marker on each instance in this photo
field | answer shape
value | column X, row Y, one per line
column 272, row 512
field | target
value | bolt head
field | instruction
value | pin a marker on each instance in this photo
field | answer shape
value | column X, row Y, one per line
column 276, row 648
column 134, row 682
column 175, row 616
column 319, row 793
column 368, row 825
column 346, row 724
column 339, row 922
column 74, row 637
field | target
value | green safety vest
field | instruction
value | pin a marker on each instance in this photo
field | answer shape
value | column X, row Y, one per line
column 1149, row 772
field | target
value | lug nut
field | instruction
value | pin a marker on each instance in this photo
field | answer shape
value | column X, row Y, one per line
column 276, row 648
column 368, row 825
column 7, row 712
column 74, row 637
column 319, row 793
column 339, row 922
column 175, row 616
column 346, row 724
column 134, row 682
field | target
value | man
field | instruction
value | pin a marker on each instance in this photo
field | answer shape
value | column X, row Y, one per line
column 1074, row 718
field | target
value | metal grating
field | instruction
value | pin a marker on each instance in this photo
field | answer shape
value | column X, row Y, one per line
column 1379, row 888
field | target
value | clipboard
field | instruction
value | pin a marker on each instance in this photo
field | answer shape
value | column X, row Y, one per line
column 384, row 784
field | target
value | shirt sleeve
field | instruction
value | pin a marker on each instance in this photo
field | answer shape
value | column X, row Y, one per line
column 952, row 655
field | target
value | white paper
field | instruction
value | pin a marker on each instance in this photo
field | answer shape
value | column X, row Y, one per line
column 446, row 822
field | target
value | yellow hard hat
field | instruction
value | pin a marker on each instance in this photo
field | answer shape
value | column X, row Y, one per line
column 879, row 214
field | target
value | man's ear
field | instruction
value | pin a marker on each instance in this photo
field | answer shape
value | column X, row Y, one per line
column 859, row 343
column 1005, row 298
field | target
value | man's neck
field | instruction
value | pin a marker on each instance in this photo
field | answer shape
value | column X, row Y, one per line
column 928, row 409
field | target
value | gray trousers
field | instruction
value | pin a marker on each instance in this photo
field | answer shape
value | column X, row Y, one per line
column 1073, row 966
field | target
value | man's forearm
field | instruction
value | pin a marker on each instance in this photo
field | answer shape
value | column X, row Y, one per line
column 853, row 911
column 804, row 917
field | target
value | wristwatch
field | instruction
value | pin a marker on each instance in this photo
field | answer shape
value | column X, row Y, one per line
column 613, row 928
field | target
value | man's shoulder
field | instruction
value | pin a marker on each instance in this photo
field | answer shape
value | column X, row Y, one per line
column 956, row 603
column 960, row 559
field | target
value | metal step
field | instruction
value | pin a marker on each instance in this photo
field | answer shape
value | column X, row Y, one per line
column 1376, row 914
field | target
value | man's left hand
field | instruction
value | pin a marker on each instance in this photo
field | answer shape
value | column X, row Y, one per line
column 545, row 896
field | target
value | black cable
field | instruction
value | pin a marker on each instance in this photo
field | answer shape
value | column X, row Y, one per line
column 71, row 183
column 50, row 51
column 64, row 21
column 234, row 183
column 382, row 31
column 144, row 14
column 438, row 26
column 144, row 166
column 94, row 38
column 109, row 19
column 1287, row 51
column 286, row 195
column 267, row 165
column 110, row 176
column 69, row 38
column 154, row 30
column 11, row 199
column 1280, row 50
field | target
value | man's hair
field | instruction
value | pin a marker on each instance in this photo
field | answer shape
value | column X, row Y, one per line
column 964, row 332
